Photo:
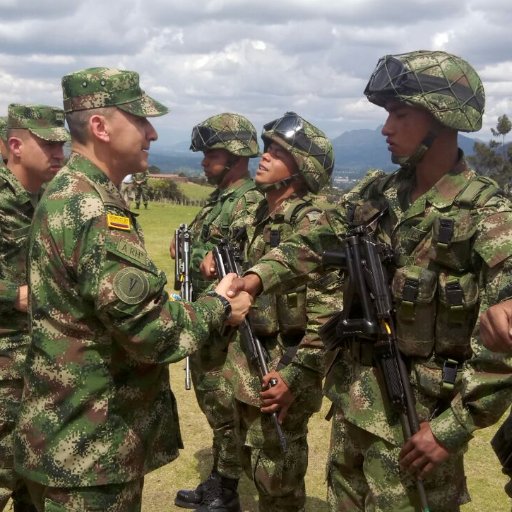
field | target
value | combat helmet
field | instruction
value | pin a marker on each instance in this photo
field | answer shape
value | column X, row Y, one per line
column 228, row 131
column 444, row 84
column 309, row 147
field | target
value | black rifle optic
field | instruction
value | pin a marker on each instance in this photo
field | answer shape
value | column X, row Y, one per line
column 368, row 316
column 227, row 260
column 182, row 280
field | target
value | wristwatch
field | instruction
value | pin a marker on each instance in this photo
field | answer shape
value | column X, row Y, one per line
column 225, row 303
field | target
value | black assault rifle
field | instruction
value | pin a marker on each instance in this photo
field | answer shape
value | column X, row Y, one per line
column 227, row 260
column 368, row 316
column 181, row 276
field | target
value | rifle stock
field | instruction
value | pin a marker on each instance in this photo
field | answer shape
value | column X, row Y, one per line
column 227, row 260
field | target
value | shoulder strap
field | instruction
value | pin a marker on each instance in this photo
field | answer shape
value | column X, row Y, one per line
column 229, row 205
column 477, row 192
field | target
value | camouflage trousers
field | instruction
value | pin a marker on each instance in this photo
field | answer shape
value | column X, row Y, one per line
column 215, row 399
column 12, row 357
column 278, row 476
column 124, row 497
column 141, row 192
column 363, row 474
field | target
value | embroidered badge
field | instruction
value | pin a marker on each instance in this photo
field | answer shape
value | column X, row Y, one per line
column 131, row 285
column 118, row 222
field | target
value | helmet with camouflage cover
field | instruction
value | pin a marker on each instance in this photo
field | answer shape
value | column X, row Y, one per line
column 309, row 146
column 442, row 83
column 228, row 131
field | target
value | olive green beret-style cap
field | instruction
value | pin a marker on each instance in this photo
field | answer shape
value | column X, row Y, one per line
column 43, row 121
column 108, row 87
column 3, row 127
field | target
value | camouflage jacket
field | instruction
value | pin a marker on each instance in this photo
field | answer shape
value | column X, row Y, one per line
column 16, row 211
column 97, row 406
column 140, row 179
column 480, row 247
column 305, row 308
column 226, row 211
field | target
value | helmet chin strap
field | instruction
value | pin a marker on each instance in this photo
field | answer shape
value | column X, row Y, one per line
column 411, row 161
column 264, row 187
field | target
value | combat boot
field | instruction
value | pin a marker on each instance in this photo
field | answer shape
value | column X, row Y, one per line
column 221, row 499
column 192, row 498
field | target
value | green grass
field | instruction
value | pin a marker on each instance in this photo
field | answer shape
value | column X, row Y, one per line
column 194, row 191
column 485, row 480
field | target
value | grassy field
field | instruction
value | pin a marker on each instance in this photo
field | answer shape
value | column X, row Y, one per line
column 195, row 191
column 485, row 480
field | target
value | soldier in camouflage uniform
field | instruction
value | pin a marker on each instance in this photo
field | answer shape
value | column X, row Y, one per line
column 3, row 139
column 297, row 162
column 36, row 135
column 228, row 141
column 97, row 410
column 141, row 188
column 451, row 231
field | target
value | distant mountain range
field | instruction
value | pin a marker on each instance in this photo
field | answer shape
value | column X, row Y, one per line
column 355, row 152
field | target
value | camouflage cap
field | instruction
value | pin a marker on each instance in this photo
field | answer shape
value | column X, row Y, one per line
column 108, row 87
column 232, row 132
column 3, row 128
column 43, row 121
column 442, row 83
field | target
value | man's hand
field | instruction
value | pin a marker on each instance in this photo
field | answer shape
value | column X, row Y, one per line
column 21, row 302
column 172, row 248
column 422, row 452
column 276, row 398
column 207, row 266
column 250, row 283
column 496, row 327
column 240, row 303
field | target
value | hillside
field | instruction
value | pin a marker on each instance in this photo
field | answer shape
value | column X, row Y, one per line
column 355, row 152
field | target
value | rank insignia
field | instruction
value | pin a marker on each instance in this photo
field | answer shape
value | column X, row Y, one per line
column 118, row 222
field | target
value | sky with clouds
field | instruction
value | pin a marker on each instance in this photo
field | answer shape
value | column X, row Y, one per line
column 202, row 57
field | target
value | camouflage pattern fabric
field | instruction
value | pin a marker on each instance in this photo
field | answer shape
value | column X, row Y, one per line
column 213, row 395
column 363, row 474
column 280, row 478
column 232, row 132
column 444, row 84
column 43, row 121
column 124, row 497
column 108, row 87
column 481, row 247
column 16, row 211
column 141, row 187
column 97, row 407
column 3, row 128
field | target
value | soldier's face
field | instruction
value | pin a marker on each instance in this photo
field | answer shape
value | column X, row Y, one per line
column 130, row 138
column 214, row 162
column 276, row 164
column 405, row 128
column 41, row 159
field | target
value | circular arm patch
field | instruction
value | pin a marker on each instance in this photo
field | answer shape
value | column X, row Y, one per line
column 131, row 285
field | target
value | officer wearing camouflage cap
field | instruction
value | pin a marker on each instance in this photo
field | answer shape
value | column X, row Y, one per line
column 228, row 141
column 97, row 410
column 451, row 232
column 34, row 136
column 297, row 162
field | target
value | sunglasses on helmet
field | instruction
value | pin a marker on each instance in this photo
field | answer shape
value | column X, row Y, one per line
column 290, row 128
column 392, row 78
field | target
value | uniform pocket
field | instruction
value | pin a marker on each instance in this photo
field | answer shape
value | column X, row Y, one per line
column 457, row 311
column 414, row 290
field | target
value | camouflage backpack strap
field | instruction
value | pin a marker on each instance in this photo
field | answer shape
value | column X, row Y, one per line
column 477, row 192
column 228, row 206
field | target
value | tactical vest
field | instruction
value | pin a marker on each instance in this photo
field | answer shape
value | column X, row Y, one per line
column 285, row 314
column 437, row 302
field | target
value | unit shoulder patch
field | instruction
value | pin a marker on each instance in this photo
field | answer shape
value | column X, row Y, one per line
column 131, row 285
column 118, row 222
